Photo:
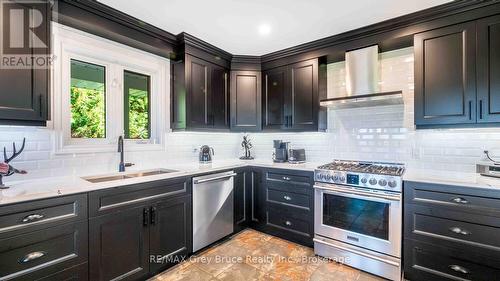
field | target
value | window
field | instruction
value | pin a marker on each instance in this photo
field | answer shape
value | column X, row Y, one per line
column 88, row 100
column 137, row 114
column 103, row 90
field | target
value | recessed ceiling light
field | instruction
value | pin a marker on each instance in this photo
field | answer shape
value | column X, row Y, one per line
column 264, row 29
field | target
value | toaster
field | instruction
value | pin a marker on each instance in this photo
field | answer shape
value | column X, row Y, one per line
column 297, row 156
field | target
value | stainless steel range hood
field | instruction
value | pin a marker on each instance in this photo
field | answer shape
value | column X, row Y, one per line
column 362, row 78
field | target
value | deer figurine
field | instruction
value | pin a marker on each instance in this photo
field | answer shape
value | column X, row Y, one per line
column 9, row 170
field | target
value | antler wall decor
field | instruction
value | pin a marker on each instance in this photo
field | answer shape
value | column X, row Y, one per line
column 9, row 170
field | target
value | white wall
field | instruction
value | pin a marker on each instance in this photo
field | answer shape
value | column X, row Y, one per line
column 379, row 133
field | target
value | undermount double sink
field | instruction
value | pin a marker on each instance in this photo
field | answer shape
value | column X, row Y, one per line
column 139, row 174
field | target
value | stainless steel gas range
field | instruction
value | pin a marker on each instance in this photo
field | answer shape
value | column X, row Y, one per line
column 358, row 215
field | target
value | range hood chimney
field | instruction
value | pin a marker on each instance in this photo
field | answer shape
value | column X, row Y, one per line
column 362, row 75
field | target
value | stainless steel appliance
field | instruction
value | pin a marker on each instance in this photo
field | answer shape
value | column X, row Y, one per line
column 358, row 215
column 206, row 154
column 296, row 156
column 212, row 208
column 280, row 154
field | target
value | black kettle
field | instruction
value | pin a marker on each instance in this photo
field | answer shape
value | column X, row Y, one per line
column 206, row 153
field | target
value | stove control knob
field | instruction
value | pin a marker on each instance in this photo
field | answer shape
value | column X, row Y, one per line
column 364, row 180
column 335, row 178
column 373, row 181
column 328, row 177
column 392, row 183
column 382, row 182
column 342, row 178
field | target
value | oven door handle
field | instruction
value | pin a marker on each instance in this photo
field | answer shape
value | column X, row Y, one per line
column 356, row 252
column 338, row 190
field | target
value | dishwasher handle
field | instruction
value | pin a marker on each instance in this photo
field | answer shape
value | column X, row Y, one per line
column 214, row 178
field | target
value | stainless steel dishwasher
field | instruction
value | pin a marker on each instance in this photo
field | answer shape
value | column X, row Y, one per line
column 212, row 208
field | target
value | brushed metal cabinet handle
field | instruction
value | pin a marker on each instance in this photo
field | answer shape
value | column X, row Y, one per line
column 32, row 256
column 460, row 200
column 287, row 198
column 287, row 178
column 458, row 230
column 32, row 217
column 288, row 223
column 458, row 268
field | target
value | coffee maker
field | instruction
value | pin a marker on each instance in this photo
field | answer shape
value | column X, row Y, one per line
column 280, row 154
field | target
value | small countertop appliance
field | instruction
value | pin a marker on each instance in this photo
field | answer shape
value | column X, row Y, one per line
column 206, row 154
column 280, row 154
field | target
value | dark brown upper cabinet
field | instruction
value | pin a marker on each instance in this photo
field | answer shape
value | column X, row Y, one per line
column 25, row 92
column 246, row 101
column 445, row 75
column 200, row 95
column 488, row 70
column 291, row 97
column 275, row 88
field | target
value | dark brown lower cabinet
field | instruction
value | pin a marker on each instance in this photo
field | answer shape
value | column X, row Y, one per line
column 241, row 204
column 140, row 241
column 170, row 233
column 120, row 245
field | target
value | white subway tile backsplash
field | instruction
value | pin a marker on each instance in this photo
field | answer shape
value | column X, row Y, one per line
column 384, row 133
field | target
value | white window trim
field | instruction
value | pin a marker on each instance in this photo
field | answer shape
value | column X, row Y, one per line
column 70, row 43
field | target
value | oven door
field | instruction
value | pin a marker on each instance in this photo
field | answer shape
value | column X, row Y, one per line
column 371, row 220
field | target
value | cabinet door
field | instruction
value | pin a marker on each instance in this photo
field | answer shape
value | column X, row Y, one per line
column 170, row 232
column 242, row 192
column 24, row 97
column 445, row 91
column 119, row 245
column 258, row 198
column 246, row 101
column 198, row 84
column 488, row 69
column 275, row 88
column 219, row 92
column 302, row 103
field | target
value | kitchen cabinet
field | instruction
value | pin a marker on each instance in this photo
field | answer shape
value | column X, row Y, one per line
column 291, row 97
column 246, row 101
column 242, row 190
column 257, row 199
column 450, row 232
column 488, row 70
column 200, row 95
column 445, row 89
column 289, row 205
column 25, row 92
column 275, row 89
column 130, row 224
column 120, row 245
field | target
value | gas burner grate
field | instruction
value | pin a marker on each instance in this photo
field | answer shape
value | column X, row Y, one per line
column 391, row 169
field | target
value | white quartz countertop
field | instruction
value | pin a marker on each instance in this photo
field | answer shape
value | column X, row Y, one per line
column 472, row 180
column 28, row 190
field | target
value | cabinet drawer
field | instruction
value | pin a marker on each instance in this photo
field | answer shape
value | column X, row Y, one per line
column 289, row 198
column 42, row 253
column 288, row 177
column 456, row 198
column 290, row 219
column 427, row 262
column 453, row 228
column 29, row 216
column 123, row 197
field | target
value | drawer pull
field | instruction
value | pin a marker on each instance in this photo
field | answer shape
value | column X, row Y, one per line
column 287, row 198
column 458, row 230
column 286, row 178
column 288, row 223
column 32, row 217
column 458, row 268
column 31, row 257
column 460, row 200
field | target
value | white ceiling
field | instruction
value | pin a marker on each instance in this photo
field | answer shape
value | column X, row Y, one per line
column 234, row 25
